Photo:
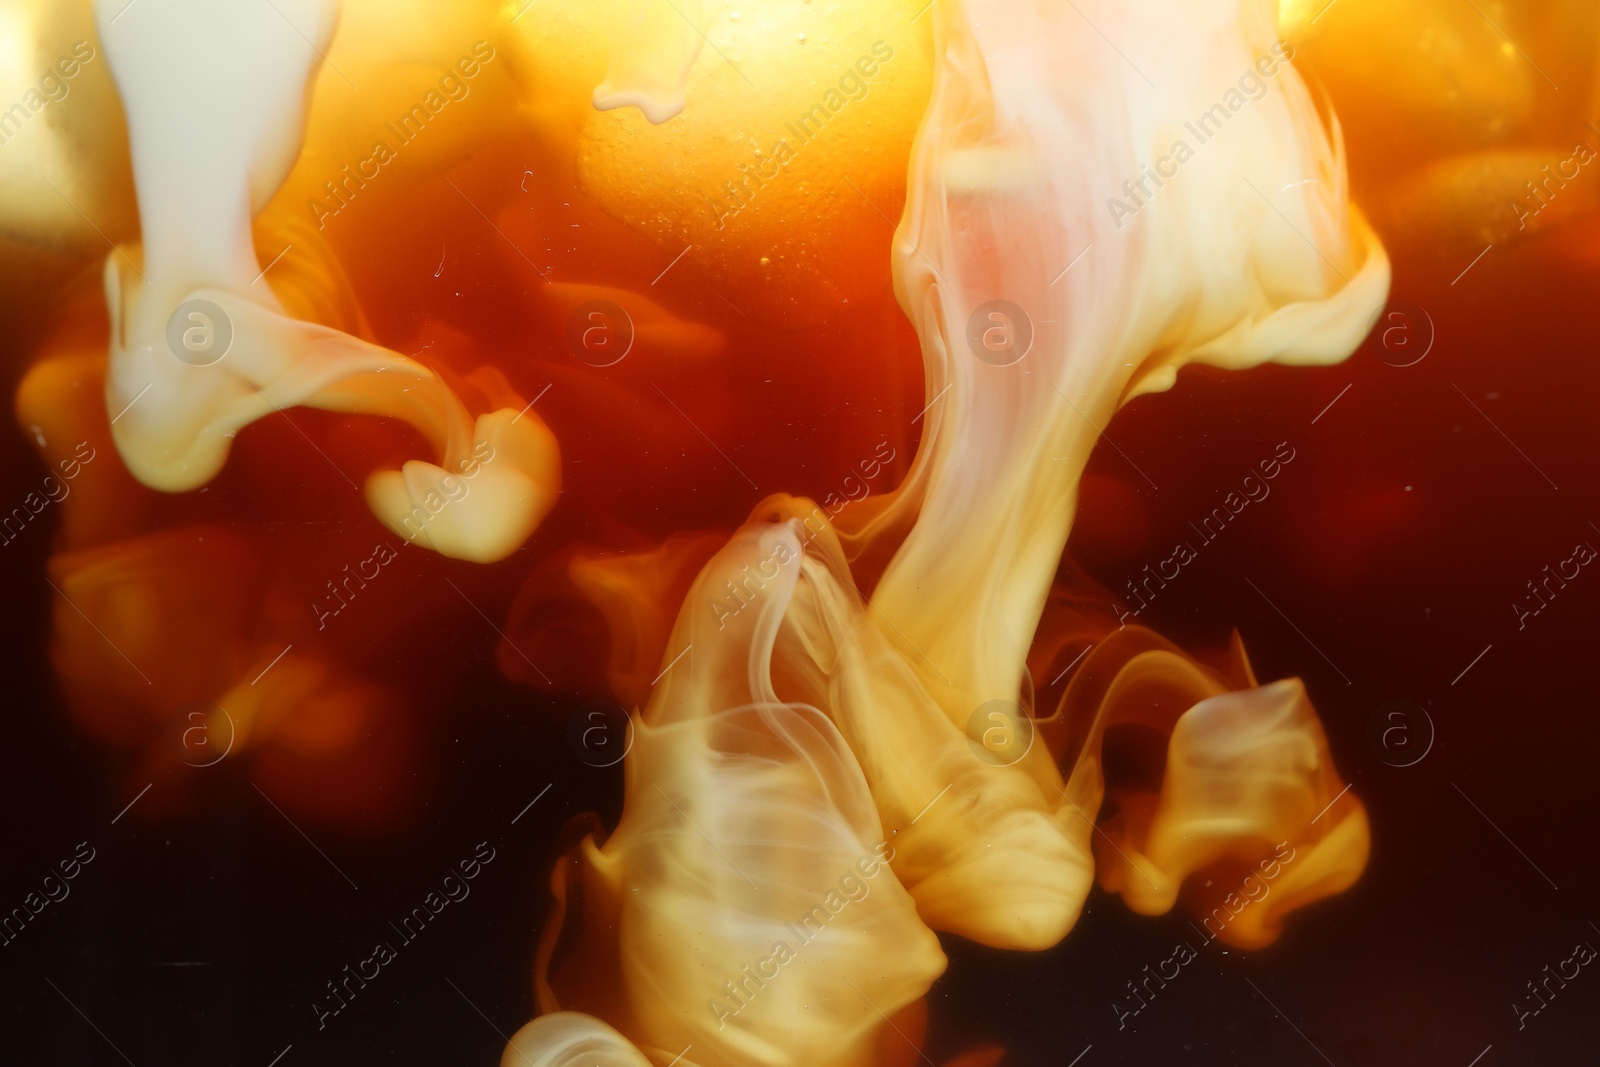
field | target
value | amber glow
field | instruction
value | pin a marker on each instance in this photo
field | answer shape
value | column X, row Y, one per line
column 828, row 674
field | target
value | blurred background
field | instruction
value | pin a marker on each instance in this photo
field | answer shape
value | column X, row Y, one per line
column 1436, row 473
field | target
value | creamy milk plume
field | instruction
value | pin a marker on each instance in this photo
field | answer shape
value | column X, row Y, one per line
column 241, row 75
column 1255, row 255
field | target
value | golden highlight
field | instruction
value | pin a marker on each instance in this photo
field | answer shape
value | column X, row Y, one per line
column 836, row 754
